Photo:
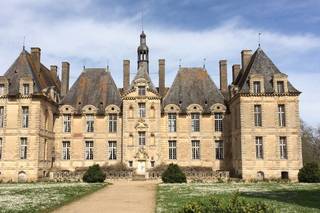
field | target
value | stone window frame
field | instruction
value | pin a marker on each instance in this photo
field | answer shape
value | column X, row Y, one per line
column 88, row 148
column 280, row 77
column 25, row 117
column 141, row 82
column 254, row 78
column 142, row 114
column 172, row 109
column 112, row 110
column 23, row 148
column 89, row 110
column 219, row 149
column 22, row 83
column 283, row 147
column 172, row 150
column 65, row 148
column 2, row 116
column 4, row 81
column 195, row 150
column 1, row 147
column 64, row 111
column 112, row 150
column 259, row 147
column 217, row 108
column 284, row 123
column 193, row 109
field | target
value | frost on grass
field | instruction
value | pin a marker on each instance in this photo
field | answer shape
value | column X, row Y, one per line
column 38, row 196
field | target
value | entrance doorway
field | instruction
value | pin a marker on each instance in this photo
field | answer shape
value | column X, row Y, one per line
column 141, row 168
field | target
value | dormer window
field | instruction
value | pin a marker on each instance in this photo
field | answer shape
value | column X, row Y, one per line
column 26, row 89
column 256, row 87
column 280, row 86
column 141, row 90
column 2, row 89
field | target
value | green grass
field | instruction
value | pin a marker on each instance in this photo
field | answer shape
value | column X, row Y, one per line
column 42, row 197
column 290, row 197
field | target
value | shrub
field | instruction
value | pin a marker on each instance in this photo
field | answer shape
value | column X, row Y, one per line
column 310, row 173
column 173, row 174
column 94, row 174
column 234, row 205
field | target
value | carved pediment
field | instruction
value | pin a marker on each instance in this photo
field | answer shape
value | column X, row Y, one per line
column 141, row 155
column 141, row 125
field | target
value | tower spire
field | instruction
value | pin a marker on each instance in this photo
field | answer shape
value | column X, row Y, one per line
column 143, row 51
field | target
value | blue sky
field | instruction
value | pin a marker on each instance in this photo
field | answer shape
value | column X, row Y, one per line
column 96, row 32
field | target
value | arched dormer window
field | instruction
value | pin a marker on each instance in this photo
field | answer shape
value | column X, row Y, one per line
column 172, row 111
column 218, row 111
column 195, row 110
column 66, row 111
column 89, row 111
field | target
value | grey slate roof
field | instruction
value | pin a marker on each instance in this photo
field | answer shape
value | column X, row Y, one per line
column 193, row 86
column 260, row 63
column 143, row 73
column 24, row 67
column 95, row 86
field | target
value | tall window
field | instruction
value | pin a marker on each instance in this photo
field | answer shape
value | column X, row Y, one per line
column 89, row 150
column 172, row 122
column 219, row 149
column 67, row 123
column 112, row 150
column 256, row 87
column 1, row 145
column 195, row 149
column 25, row 117
column 280, row 86
column 2, row 89
column 172, row 150
column 90, row 123
column 282, row 115
column 142, row 138
column 23, row 148
column 257, row 115
column 218, row 122
column 195, row 122
column 1, row 116
column 142, row 110
column 66, row 150
column 259, row 148
column 142, row 90
column 113, row 123
column 283, row 148
column 26, row 89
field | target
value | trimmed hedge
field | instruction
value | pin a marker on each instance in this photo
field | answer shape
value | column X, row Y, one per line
column 234, row 205
column 173, row 174
column 310, row 173
column 94, row 174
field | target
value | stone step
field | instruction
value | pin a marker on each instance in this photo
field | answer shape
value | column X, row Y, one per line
column 139, row 177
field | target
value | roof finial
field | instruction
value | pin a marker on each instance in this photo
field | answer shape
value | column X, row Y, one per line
column 24, row 43
column 259, row 40
column 204, row 63
column 180, row 63
column 107, row 65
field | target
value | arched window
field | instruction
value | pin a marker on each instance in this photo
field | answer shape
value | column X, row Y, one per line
column 260, row 175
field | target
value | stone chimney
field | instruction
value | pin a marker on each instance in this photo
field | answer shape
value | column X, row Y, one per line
column 65, row 71
column 36, row 55
column 245, row 58
column 162, row 85
column 235, row 71
column 223, row 75
column 53, row 72
column 126, row 74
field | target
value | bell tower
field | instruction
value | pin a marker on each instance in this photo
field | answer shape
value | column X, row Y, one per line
column 143, row 51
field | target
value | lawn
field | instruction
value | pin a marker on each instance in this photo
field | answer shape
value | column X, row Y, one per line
column 290, row 197
column 41, row 197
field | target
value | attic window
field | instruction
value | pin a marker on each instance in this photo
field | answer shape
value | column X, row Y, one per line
column 1, row 89
column 172, row 108
column 67, row 109
column 256, row 87
column 194, row 107
column 280, row 86
column 112, row 108
column 89, row 108
column 79, row 103
column 142, row 90
column 26, row 89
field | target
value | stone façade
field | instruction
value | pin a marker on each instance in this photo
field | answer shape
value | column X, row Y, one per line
column 95, row 96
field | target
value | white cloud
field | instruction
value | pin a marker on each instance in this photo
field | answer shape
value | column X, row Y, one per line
column 83, row 41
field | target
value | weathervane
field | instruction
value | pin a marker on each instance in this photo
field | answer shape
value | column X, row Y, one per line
column 204, row 63
column 180, row 63
column 24, row 42
column 107, row 65
column 259, row 40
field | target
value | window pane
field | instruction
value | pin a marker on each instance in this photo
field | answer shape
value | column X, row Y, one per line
column 195, row 122
column 256, row 87
column 283, row 148
column 67, row 123
column 90, row 123
column 219, row 149
column 281, row 115
column 259, row 148
column 1, row 117
column 66, row 150
column 172, row 122
column 112, row 123
column 142, row 90
column 172, row 150
column 195, row 149
column 280, row 86
column 25, row 117
column 1, row 148
column 142, row 138
column 23, row 148
column 142, row 110
column 257, row 115
column 112, row 150
column 218, row 122
column 89, row 150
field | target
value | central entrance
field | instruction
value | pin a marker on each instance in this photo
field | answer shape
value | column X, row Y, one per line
column 141, row 168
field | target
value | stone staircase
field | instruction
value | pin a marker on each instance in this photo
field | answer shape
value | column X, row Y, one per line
column 137, row 177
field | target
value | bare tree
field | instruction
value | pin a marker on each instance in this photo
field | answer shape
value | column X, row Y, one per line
column 310, row 138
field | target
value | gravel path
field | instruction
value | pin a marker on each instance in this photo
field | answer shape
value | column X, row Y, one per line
column 121, row 196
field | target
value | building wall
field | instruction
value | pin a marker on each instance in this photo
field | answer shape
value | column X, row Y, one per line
column 39, row 138
column 271, row 164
